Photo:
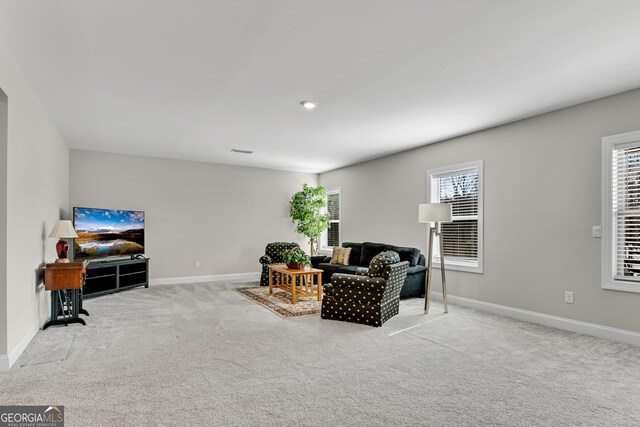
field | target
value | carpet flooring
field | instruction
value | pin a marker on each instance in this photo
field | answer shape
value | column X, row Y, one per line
column 280, row 302
column 204, row 355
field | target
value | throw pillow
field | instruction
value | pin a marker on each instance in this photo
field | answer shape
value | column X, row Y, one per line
column 381, row 261
column 340, row 256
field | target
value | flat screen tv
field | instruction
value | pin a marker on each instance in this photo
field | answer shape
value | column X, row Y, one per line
column 107, row 232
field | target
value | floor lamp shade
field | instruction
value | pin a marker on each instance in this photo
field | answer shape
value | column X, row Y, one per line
column 435, row 212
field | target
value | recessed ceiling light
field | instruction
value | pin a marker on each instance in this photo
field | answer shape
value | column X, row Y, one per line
column 309, row 105
column 235, row 150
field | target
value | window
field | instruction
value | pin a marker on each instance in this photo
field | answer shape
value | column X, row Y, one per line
column 331, row 237
column 460, row 185
column 621, row 212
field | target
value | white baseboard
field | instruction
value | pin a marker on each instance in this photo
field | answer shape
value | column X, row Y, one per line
column 7, row 361
column 600, row 331
column 216, row 278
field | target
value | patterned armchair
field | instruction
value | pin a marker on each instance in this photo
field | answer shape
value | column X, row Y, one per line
column 371, row 296
column 272, row 256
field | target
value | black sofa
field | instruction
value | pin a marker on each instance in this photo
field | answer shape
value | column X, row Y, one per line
column 361, row 255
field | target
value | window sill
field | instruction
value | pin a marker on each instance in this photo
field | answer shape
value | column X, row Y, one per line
column 459, row 267
column 622, row 286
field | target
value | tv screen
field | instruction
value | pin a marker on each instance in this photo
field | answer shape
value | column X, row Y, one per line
column 108, row 232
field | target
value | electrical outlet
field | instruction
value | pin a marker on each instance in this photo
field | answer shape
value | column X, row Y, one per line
column 596, row 231
column 568, row 297
column 197, row 264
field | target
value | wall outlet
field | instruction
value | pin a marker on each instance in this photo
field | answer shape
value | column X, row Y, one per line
column 197, row 264
column 596, row 231
column 568, row 297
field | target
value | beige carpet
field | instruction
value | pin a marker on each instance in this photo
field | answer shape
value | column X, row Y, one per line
column 280, row 302
column 204, row 355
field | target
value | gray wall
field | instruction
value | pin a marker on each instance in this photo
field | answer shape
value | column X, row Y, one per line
column 541, row 198
column 4, row 121
column 221, row 215
column 36, row 167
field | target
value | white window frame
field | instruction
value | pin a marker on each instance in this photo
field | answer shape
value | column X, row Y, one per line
column 609, row 144
column 324, row 244
column 433, row 197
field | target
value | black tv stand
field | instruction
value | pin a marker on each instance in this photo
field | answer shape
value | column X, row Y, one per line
column 107, row 277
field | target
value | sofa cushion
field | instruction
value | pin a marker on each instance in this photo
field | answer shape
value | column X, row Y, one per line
column 329, row 269
column 340, row 256
column 356, row 252
column 369, row 250
column 381, row 261
column 411, row 255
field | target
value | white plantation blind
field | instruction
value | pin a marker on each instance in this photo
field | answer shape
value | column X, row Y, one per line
column 625, row 191
column 331, row 237
column 333, row 207
column 460, row 185
column 621, row 212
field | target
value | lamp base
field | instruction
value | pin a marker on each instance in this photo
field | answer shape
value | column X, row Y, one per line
column 62, row 248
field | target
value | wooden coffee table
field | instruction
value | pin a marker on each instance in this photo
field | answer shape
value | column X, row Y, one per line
column 300, row 283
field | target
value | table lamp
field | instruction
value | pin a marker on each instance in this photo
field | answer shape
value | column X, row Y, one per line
column 63, row 230
column 436, row 213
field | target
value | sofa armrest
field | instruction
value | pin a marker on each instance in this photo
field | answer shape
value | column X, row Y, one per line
column 362, row 271
column 265, row 259
column 316, row 260
column 422, row 260
column 355, row 282
column 416, row 269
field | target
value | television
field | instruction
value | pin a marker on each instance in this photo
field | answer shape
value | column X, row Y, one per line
column 107, row 232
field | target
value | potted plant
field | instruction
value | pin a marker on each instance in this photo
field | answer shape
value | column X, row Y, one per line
column 306, row 210
column 295, row 258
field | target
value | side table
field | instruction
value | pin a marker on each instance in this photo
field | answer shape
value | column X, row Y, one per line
column 300, row 283
column 65, row 281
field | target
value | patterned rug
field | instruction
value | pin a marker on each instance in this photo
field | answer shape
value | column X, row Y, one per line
column 280, row 302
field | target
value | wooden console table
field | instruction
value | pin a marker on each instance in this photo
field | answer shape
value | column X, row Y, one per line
column 300, row 283
column 65, row 281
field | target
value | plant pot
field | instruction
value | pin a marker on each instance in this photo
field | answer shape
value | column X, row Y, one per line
column 295, row 266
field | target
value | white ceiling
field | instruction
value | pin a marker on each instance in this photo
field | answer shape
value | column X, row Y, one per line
column 192, row 79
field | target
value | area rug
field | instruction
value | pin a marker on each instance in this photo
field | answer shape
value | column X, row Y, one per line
column 280, row 302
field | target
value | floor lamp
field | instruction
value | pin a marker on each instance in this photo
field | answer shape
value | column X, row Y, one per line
column 435, row 213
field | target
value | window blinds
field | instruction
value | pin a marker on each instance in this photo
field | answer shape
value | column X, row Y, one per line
column 333, row 207
column 625, row 191
column 460, row 237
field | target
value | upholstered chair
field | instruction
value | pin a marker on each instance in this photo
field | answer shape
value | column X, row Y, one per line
column 371, row 296
column 272, row 256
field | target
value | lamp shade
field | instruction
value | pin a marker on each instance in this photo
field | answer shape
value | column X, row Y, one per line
column 63, row 230
column 435, row 212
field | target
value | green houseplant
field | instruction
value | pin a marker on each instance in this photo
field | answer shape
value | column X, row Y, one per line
column 305, row 209
column 295, row 258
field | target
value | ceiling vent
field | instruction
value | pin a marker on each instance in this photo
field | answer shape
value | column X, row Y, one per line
column 235, row 150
